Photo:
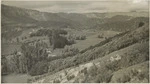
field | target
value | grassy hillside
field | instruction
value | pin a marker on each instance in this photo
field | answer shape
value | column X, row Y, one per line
column 124, row 41
column 106, row 69
column 136, row 73
column 121, row 25
column 131, row 49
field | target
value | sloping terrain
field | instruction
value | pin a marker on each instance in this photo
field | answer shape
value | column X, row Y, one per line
column 126, row 53
column 109, row 15
column 27, row 16
column 14, row 17
column 121, row 25
column 137, row 74
column 101, row 63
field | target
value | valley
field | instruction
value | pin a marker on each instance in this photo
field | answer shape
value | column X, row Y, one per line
column 43, row 47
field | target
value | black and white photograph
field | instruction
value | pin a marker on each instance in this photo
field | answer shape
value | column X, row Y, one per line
column 76, row 41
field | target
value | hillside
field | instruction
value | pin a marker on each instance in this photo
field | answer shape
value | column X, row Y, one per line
column 112, row 14
column 101, row 63
column 45, row 47
column 24, row 16
column 121, row 24
column 14, row 18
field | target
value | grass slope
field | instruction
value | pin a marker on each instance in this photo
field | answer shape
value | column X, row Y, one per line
column 136, row 40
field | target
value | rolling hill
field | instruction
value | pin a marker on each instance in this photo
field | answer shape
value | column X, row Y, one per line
column 14, row 17
column 103, row 62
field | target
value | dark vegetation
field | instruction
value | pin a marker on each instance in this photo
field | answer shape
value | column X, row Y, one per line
column 28, row 60
column 100, row 36
column 48, row 32
column 56, row 37
column 40, row 68
column 70, row 77
column 82, row 37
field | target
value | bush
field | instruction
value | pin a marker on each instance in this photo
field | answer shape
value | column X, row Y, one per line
column 140, row 75
column 103, row 77
column 84, row 70
column 69, row 51
column 82, row 37
column 141, row 24
column 124, row 79
column 93, row 70
column 99, row 75
column 71, row 41
column 70, row 77
column 48, row 32
column 39, row 68
column 100, row 36
column 113, row 66
column 59, row 42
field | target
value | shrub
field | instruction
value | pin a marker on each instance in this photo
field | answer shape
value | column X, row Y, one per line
column 70, row 51
column 140, row 75
column 70, row 77
column 77, row 38
column 82, row 37
column 100, row 36
column 39, row 68
column 99, row 75
column 71, row 41
column 84, row 70
column 103, row 77
column 124, row 79
column 59, row 42
column 93, row 70
column 141, row 24
column 113, row 66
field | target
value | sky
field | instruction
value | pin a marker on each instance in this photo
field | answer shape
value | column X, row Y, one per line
column 82, row 6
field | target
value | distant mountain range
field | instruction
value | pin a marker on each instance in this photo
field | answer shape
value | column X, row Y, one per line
column 20, row 15
column 13, row 17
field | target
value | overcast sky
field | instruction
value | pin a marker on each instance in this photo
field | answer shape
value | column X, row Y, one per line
column 81, row 6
